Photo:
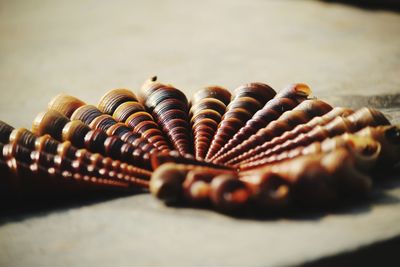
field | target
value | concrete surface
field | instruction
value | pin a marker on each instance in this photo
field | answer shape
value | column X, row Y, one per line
column 85, row 48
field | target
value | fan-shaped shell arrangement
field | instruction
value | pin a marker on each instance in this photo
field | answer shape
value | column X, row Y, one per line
column 254, row 149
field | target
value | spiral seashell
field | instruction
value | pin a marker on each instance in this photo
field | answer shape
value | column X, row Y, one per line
column 285, row 100
column 364, row 147
column 47, row 144
column 173, row 183
column 214, row 92
column 291, row 134
column 169, row 108
column 110, row 101
column 65, row 104
column 40, row 170
column 86, row 114
column 302, row 113
column 261, row 151
column 207, row 108
column 248, row 99
column 388, row 137
column 167, row 181
column 94, row 117
column 80, row 135
column 314, row 180
column 123, row 105
column 356, row 121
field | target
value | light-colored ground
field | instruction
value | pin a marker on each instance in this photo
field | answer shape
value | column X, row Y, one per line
column 85, row 48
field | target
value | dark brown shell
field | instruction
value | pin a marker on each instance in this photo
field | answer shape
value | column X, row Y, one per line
column 285, row 100
column 261, row 150
column 207, row 109
column 302, row 113
column 248, row 99
column 299, row 129
column 169, row 107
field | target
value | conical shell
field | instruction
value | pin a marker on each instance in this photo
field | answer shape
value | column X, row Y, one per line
column 302, row 113
column 261, row 150
column 285, row 100
column 82, row 136
column 123, row 105
column 170, row 110
column 362, row 118
column 207, row 108
column 248, row 99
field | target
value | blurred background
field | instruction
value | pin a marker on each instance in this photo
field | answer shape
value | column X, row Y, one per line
column 85, row 48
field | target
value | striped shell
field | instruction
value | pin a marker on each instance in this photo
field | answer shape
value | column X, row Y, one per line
column 254, row 149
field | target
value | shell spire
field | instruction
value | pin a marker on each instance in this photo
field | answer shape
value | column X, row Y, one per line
column 96, row 119
column 302, row 113
column 170, row 109
column 248, row 99
column 285, row 100
column 364, row 147
column 47, row 144
column 80, row 135
column 299, row 129
column 207, row 108
column 124, row 107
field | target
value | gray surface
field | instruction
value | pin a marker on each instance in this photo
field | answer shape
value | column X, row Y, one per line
column 87, row 48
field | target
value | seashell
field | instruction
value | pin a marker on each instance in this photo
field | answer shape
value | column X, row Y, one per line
column 110, row 101
column 214, row 92
column 28, row 170
column 312, row 180
column 65, row 104
column 169, row 108
column 248, row 99
column 173, row 183
column 302, row 113
column 299, row 129
column 361, row 118
column 351, row 142
column 95, row 117
column 123, row 105
column 285, row 100
column 85, row 114
column 37, row 173
column 81, row 136
column 261, row 151
column 47, row 144
column 207, row 108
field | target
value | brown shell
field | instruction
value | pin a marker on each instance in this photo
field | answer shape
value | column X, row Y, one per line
column 248, row 99
column 110, row 101
column 302, row 113
column 65, row 104
column 82, row 136
column 363, row 117
column 285, row 100
column 207, row 109
column 170, row 109
column 261, row 150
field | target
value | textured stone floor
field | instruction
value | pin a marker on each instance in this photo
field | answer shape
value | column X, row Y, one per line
column 85, row 48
